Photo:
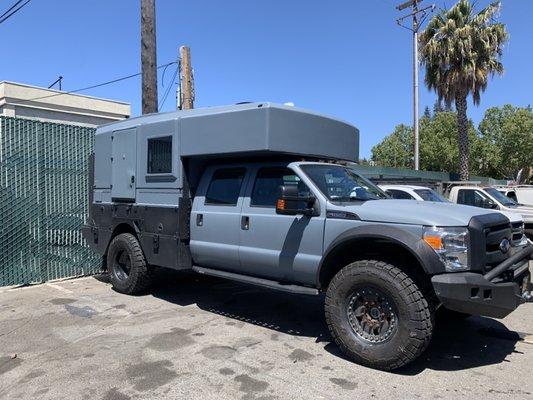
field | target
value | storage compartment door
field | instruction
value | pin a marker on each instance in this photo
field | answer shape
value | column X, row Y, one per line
column 123, row 163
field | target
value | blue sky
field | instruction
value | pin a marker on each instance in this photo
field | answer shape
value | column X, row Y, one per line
column 345, row 58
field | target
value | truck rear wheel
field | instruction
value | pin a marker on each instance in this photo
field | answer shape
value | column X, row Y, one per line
column 129, row 273
column 377, row 315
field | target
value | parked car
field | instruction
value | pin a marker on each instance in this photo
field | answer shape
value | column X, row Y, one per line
column 411, row 192
column 490, row 198
column 422, row 193
column 266, row 195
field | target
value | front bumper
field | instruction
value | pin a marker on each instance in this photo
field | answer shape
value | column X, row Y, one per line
column 495, row 294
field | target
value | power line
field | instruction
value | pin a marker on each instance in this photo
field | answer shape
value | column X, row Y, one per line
column 93, row 86
column 10, row 8
column 162, row 102
column 13, row 10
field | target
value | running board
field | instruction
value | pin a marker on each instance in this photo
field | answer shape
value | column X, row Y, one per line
column 256, row 281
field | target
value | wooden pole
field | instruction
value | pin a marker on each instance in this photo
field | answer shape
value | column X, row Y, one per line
column 186, row 79
column 148, row 57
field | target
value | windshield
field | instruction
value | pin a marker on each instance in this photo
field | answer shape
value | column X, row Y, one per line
column 430, row 195
column 500, row 197
column 341, row 183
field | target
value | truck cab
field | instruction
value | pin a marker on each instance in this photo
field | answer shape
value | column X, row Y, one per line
column 491, row 198
column 269, row 195
column 520, row 194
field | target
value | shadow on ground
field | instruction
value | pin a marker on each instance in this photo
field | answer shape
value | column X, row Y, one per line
column 456, row 344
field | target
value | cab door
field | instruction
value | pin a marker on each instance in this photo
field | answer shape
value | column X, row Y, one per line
column 216, row 218
column 274, row 246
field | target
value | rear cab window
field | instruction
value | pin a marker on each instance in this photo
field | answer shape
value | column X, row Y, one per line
column 225, row 186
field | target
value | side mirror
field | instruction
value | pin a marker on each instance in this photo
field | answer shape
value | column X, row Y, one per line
column 291, row 203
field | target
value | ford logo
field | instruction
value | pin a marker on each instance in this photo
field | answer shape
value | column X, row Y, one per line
column 505, row 245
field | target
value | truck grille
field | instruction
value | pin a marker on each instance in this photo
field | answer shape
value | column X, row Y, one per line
column 493, row 254
column 486, row 234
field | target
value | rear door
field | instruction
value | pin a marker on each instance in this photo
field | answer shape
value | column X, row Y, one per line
column 215, row 218
column 123, row 164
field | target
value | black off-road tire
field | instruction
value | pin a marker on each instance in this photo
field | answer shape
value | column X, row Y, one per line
column 411, row 320
column 128, row 271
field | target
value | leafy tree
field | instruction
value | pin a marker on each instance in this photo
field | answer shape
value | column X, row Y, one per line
column 507, row 141
column 364, row 161
column 438, row 149
column 460, row 50
column 438, row 142
column 396, row 150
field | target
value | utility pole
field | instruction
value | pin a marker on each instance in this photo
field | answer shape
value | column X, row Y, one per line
column 148, row 57
column 415, row 27
column 186, row 91
column 415, row 85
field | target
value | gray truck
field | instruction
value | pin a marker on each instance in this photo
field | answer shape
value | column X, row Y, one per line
column 268, row 195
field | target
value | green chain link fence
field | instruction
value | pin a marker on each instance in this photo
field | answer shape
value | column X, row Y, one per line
column 43, row 201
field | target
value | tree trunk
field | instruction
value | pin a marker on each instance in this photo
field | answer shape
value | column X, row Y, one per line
column 462, row 135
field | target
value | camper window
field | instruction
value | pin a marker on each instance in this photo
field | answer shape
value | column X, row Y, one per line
column 160, row 155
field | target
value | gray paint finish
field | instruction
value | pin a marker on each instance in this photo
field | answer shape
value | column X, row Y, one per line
column 412, row 212
column 124, row 162
column 215, row 241
column 256, row 128
column 268, row 128
column 282, row 247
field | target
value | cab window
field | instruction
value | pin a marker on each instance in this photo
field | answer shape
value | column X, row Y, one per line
column 225, row 187
column 471, row 197
column 267, row 183
column 399, row 194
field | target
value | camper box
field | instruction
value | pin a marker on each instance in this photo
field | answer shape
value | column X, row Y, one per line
column 143, row 160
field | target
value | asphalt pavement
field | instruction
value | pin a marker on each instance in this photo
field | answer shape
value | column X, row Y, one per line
column 196, row 337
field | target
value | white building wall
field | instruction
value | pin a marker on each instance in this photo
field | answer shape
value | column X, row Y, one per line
column 25, row 101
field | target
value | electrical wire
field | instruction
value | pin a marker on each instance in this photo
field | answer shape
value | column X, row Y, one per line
column 10, row 8
column 13, row 10
column 162, row 102
column 93, row 86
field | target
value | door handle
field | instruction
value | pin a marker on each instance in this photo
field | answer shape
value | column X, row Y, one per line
column 245, row 222
column 199, row 219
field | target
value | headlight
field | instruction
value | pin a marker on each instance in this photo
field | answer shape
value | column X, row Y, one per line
column 520, row 232
column 450, row 244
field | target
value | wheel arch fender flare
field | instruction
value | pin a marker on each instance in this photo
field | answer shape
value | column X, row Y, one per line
column 416, row 246
column 123, row 227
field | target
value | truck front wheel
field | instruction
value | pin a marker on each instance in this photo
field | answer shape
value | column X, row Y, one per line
column 377, row 315
column 129, row 273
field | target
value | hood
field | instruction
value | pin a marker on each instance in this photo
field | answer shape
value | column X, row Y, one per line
column 412, row 212
column 525, row 211
column 513, row 216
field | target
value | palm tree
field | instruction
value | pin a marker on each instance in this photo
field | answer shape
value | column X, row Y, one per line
column 460, row 50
